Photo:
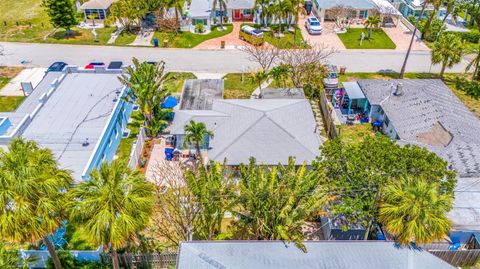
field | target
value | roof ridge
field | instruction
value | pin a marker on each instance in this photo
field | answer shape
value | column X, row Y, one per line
column 228, row 101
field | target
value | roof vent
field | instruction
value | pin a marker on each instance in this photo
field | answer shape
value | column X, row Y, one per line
column 398, row 90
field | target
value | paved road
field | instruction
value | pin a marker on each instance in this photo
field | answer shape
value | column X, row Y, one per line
column 224, row 61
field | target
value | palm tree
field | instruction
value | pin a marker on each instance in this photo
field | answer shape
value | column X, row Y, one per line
column 433, row 16
column 32, row 196
column 448, row 50
column 113, row 205
column 404, row 65
column 145, row 82
column 475, row 62
column 280, row 73
column 265, row 6
column 195, row 133
column 258, row 77
column 370, row 23
column 281, row 11
column 222, row 7
column 415, row 211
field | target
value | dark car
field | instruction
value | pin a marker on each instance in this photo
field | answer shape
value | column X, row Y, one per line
column 92, row 65
column 115, row 65
column 56, row 67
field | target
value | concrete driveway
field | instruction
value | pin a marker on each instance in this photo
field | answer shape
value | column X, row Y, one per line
column 401, row 36
column 328, row 37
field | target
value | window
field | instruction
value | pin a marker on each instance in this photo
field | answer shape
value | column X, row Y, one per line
column 247, row 12
column 198, row 21
column 316, row 4
column 217, row 13
column 363, row 14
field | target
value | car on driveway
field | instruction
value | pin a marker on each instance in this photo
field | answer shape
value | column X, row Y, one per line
column 313, row 26
column 92, row 65
column 56, row 67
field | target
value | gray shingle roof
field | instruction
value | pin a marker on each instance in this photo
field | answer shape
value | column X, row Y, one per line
column 240, row 4
column 425, row 103
column 198, row 94
column 321, row 254
column 271, row 130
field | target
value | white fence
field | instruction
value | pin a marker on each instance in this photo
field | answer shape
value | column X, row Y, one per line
column 137, row 149
column 410, row 26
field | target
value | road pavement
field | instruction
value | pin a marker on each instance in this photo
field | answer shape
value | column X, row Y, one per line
column 194, row 60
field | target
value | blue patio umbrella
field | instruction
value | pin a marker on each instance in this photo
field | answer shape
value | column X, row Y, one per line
column 170, row 102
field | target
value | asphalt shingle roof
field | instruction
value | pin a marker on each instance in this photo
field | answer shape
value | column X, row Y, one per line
column 271, row 130
column 321, row 254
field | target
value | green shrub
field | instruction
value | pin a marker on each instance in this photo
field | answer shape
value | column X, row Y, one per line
column 69, row 262
column 200, row 28
column 471, row 37
column 471, row 88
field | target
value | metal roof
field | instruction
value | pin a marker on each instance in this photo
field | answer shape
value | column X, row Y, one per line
column 199, row 94
column 465, row 214
column 353, row 90
column 270, row 130
column 97, row 4
column 320, row 254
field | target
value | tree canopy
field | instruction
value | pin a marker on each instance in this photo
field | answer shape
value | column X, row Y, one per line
column 61, row 13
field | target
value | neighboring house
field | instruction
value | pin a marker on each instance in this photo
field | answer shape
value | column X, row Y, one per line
column 414, row 8
column 79, row 115
column 360, row 8
column 270, row 130
column 203, row 11
column 99, row 8
column 320, row 254
column 425, row 112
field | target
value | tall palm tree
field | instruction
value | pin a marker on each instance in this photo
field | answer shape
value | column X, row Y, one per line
column 195, row 134
column 222, row 7
column 414, row 210
column 32, row 196
column 447, row 51
column 475, row 63
column 433, row 16
column 281, row 11
column 404, row 65
column 370, row 23
column 145, row 82
column 265, row 6
column 258, row 77
column 113, row 205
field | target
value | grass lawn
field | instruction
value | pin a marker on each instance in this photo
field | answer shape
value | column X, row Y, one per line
column 285, row 42
column 351, row 134
column 125, row 147
column 82, row 36
column 125, row 38
column 10, row 103
column 176, row 79
column 235, row 88
column 7, row 73
column 23, row 12
column 379, row 40
column 188, row 39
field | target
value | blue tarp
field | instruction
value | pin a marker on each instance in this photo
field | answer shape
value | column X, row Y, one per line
column 170, row 102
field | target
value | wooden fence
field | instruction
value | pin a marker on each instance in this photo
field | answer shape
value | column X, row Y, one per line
column 458, row 258
column 329, row 124
column 143, row 260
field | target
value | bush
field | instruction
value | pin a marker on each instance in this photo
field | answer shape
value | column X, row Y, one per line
column 471, row 88
column 200, row 28
column 69, row 262
column 471, row 37
column 435, row 27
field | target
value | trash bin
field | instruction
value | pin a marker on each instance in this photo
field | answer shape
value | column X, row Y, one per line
column 155, row 42
column 165, row 43
column 222, row 44
column 342, row 70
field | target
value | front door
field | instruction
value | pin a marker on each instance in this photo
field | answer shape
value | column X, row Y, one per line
column 237, row 14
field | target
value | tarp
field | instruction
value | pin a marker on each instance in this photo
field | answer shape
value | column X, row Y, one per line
column 170, row 102
column 353, row 90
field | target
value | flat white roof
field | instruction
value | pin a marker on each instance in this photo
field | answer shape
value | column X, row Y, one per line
column 78, row 109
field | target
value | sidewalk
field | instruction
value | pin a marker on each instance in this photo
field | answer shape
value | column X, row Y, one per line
column 144, row 38
column 14, row 88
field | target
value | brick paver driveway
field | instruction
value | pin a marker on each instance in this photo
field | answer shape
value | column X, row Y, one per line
column 328, row 37
column 401, row 36
column 231, row 40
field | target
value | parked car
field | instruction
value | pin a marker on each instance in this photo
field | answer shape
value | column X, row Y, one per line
column 251, row 35
column 313, row 26
column 57, row 67
column 331, row 80
column 308, row 6
column 92, row 65
column 115, row 65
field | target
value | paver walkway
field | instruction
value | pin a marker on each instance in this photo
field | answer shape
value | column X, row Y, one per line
column 232, row 41
column 144, row 38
